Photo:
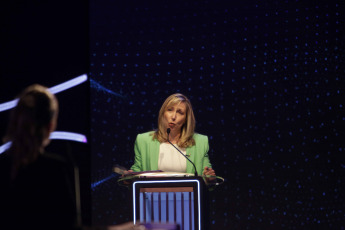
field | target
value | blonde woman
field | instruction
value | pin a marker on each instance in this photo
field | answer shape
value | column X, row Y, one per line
column 154, row 152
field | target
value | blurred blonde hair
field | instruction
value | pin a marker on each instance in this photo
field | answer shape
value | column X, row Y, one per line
column 187, row 130
column 28, row 128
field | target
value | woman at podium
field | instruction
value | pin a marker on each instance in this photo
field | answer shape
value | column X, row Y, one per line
column 173, row 146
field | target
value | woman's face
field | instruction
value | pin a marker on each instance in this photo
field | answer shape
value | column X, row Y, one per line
column 175, row 117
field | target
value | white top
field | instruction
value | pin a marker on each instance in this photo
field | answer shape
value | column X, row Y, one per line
column 171, row 160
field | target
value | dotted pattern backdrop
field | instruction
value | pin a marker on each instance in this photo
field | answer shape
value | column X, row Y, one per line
column 266, row 81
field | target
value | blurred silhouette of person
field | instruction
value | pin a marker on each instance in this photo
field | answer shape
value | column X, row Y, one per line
column 37, row 189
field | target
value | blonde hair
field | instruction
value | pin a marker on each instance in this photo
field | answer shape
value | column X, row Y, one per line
column 27, row 128
column 187, row 130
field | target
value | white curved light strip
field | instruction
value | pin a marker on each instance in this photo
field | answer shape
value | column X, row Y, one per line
column 61, row 135
column 68, row 84
column 68, row 136
column 5, row 146
column 55, row 89
column 8, row 105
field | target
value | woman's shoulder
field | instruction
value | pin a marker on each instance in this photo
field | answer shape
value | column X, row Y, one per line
column 53, row 160
column 53, row 157
column 200, row 137
column 145, row 136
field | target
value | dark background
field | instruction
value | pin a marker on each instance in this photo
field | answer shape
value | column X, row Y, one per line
column 266, row 80
column 47, row 42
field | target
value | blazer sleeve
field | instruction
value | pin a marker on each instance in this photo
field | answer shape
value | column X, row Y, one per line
column 206, row 159
column 200, row 152
column 137, row 166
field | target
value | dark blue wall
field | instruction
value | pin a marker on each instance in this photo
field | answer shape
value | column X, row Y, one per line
column 267, row 85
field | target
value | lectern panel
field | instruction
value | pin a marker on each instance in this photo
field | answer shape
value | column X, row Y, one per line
column 175, row 201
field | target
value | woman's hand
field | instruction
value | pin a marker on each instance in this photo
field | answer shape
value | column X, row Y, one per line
column 125, row 173
column 209, row 173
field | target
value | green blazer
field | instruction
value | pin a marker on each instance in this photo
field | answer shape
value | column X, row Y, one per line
column 147, row 153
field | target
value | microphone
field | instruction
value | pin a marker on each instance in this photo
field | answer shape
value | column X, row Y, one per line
column 168, row 132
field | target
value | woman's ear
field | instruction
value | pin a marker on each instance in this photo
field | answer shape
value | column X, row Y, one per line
column 49, row 129
column 52, row 126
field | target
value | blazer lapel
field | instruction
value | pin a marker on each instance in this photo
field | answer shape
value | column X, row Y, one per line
column 190, row 153
column 154, row 155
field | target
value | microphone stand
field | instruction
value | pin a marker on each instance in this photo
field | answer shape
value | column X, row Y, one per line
column 196, row 173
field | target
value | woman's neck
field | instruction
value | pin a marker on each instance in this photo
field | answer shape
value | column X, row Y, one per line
column 174, row 137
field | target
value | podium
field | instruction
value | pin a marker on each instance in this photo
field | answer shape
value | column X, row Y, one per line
column 162, row 197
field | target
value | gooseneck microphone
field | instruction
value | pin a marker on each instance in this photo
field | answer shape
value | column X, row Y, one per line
column 168, row 132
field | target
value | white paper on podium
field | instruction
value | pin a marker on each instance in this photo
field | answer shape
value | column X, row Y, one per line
column 165, row 174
